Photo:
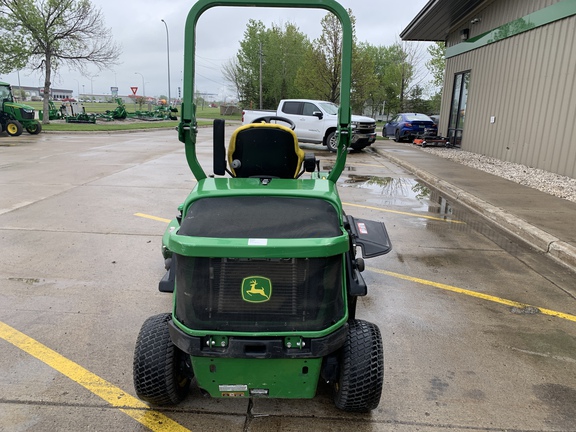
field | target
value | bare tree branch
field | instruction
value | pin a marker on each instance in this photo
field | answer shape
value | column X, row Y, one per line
column 50, row 33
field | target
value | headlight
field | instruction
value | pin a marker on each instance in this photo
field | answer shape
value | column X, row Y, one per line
column 354, row 125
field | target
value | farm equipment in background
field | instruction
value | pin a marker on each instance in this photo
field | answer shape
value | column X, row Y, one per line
column 161, row 112
column 14, row 116
column 53, row 112
column 74, row 112
column 118, row 113
column 430, row 138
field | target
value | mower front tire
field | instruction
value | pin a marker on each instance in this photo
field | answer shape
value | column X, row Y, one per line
column 162, row 372
column 359, row 385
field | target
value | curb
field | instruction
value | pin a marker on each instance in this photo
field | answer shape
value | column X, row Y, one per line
column 560, row 251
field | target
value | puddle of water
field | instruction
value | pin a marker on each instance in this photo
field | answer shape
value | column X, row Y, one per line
column 393, row 191
column 346, row 168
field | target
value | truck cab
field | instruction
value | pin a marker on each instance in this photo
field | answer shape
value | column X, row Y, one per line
column 316, row 123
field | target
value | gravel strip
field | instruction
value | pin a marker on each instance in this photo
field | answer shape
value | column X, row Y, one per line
column 551, row 183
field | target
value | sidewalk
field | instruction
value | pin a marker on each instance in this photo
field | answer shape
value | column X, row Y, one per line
column 545, row 222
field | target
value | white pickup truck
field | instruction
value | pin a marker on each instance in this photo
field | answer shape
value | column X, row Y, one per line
column 316, row 122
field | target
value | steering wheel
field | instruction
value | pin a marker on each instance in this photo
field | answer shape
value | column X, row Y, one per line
column 268, row 119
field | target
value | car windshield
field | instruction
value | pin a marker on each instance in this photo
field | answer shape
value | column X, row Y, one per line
column 330, row 108
column 414, row 117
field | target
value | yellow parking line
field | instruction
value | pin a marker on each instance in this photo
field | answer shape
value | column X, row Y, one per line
column 159, row 219
column 113, row 395
column 404, row 213
column 475, row 294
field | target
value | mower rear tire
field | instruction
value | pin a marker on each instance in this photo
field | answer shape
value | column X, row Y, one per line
column 359, row 385
column 162, row 372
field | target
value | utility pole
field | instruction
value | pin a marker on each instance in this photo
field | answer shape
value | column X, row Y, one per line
column 260, row 74
column 168, row 54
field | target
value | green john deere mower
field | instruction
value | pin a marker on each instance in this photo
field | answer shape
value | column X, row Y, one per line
column 262, row 265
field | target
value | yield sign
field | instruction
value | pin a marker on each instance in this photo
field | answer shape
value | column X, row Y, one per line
column 134, row 90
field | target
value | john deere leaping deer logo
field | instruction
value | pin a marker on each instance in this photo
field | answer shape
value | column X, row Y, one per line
column 256, row 289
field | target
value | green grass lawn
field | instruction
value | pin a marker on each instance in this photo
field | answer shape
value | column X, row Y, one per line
column 98, row 108
column 108, row 126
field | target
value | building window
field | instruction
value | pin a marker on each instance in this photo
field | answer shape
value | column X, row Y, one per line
column 458, row 108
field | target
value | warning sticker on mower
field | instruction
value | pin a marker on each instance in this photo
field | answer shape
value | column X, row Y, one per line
column 257, row 242
column 362, row 228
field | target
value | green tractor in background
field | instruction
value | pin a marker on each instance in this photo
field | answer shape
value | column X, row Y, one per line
column 14, row 116
column 262, row 264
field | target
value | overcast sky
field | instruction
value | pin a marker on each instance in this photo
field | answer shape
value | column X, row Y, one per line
column 137, row 27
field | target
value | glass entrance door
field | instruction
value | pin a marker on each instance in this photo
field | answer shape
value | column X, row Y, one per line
column 458, row 108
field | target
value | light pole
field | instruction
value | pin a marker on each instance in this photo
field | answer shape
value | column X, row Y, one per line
column 78, row 82
column 260, row 52
column 168, row 54
column 92, row 86
column 143, row 85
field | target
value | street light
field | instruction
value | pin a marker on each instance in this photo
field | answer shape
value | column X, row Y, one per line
column 92, row 85
column 78, row 82
column 168, row 54
column 143, row 85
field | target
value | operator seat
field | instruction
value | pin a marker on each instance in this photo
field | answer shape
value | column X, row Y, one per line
column 265, row 150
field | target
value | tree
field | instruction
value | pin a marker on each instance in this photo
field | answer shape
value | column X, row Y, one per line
column 437, row 63
column 319, row 78
column 384, row 95
column 267, row 56
column 416, row 101
column 364, row 82
column 437, row 66
column 47, row 34
column 282, row 59
column 233, row 74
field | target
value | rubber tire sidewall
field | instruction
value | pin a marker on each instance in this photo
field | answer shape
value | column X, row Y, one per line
column 157, row 368
column 34, row 129
column 332, row 142
column 14, row 128
column 361, row 376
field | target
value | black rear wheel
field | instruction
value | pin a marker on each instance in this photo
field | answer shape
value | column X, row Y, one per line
column 162, row 372
column 359, row 385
